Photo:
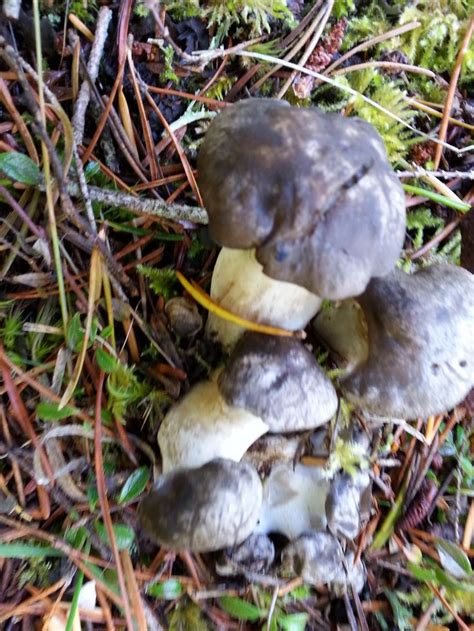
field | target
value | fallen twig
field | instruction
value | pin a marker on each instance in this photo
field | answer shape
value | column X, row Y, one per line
column 156, row 207
column 78, row 119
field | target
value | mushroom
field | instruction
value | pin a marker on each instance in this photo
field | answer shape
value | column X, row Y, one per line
column 319, row 559
column 270, row 384
column 316, row 556
column 352, row 575
column 255, row 554
column 239, row 284
column 421, row 343
column 348, row 503
column 313, row 193
column 202, row 426
column 279, row 380
column 205, row 509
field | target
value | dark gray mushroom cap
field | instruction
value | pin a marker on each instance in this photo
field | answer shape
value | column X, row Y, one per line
column 205, row 509
column 279, row 380
column 421, row 343
column 312, row 192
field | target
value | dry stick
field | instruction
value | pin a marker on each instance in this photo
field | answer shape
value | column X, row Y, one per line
column 135, row 596
column 104, row 502
column 326, row 12
column 7, row 101
column 421, row 105
column 294, row 51
column 187, row 95
column 22, row 608
column 462, row 625
column 325, row 79
column 39, row 232
column 78, row 558
column 446, row 231
column 155, row 170
column 79, row 116
column 451, row 91
column 445, row 175
column 156, row 207
column 386, row 64
column 372, row 42
column 105, row 114
column 469, row 527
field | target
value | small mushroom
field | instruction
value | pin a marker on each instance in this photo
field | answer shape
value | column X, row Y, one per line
column 239, row 284
column 270, row 384
column 313, row 193
column 255, row 554
column 293, row 500
column 348, row 503
column 319, row 559
column 352, row 575
column 202, row 426
column 421, row 343
column 316, row 556
column 280, row 381
column 206, row 509
column 183, row 316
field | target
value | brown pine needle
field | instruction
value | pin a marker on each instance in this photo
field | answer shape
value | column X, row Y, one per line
column 451, row 91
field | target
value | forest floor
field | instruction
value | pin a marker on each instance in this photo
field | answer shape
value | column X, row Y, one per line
column 100, row 206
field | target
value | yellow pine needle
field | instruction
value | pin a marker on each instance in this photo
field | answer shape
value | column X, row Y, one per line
column 126, row 119
column 95, row 283
column 81, row 27
column 201, row 297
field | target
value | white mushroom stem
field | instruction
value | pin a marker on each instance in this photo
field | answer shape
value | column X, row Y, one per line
column 293, row 500
column 343, row 328
column 239, row 284
column 202, row 427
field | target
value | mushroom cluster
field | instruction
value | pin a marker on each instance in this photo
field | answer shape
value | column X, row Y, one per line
column 306, row 208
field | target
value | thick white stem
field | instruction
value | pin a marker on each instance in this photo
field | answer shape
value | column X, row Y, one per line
column 239, row 285
column 202, row 427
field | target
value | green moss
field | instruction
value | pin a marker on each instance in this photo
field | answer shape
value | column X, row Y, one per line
column 434, row 44
column 254, row 16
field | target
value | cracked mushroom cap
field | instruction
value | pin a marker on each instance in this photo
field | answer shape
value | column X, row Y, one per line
column 312, row 192
column 421, row 343
column 202, row 427
column 215, row 506
column 279, row 380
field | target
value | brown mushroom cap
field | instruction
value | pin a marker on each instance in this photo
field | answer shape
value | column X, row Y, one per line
column 421, row 343
column 215, row 506
column 280, row 381
column 312, row 192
